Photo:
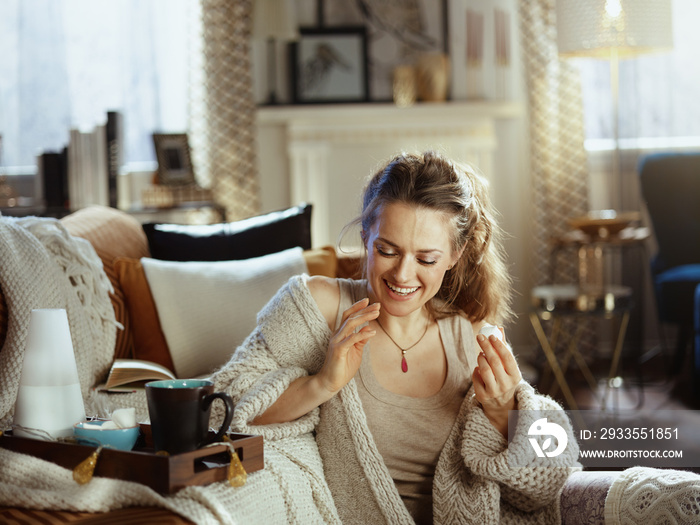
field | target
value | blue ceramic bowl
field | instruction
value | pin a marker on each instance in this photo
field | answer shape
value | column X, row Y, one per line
column 119, row 438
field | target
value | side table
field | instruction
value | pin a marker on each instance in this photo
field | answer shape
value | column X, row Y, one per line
column 558, row 301
column 593, row 296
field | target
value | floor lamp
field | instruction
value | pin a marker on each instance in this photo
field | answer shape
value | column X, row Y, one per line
column 273, row 21
column 613, row 30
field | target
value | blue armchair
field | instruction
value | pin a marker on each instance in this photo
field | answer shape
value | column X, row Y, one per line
column 670, row 184
column 696, row 382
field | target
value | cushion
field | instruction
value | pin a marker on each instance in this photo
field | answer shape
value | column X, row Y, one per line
column 321, row 261
column 207, row 308
column 253, row 237
column 147, row 335
column 149, row 342
column 675, row 289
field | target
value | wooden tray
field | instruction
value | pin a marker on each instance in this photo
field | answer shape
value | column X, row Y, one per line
column 164, row 474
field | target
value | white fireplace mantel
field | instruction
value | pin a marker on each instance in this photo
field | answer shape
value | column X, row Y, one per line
column 323, row 154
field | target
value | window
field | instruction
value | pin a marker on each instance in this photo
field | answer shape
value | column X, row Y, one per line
column 65, row 64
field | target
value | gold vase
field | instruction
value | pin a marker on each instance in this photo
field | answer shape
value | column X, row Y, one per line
column 432, row 75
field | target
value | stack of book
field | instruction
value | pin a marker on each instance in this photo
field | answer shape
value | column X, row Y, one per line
column 85, row 172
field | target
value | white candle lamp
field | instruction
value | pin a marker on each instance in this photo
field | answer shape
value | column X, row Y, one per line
column 49, row 399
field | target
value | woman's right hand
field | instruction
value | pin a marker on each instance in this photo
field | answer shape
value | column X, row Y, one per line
column 346, row 344
column 342, row 362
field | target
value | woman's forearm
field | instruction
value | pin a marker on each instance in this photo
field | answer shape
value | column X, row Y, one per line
column 301, row 397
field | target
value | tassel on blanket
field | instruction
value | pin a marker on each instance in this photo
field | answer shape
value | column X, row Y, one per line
column 237, row 476
column 82, row 473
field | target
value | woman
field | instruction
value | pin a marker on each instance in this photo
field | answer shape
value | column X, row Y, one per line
column 408, row 403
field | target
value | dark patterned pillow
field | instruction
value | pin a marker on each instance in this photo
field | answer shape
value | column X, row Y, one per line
column 254, row 237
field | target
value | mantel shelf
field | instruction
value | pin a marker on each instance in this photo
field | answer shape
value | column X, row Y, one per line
column 452, row 110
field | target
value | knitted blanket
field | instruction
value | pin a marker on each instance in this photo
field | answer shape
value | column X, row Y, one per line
column 649, row 495
column 279, row 494
column 44, row 267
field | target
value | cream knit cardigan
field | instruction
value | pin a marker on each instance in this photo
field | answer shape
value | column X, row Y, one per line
column 473, row 480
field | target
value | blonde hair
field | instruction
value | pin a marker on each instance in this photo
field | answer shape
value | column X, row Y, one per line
column 479, row 284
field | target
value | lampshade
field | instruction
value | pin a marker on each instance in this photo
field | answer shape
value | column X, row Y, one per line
column 596, row 28
column 274, row 19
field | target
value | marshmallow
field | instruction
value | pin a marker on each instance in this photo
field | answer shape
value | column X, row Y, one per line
column 124, row 417
column 489, row 329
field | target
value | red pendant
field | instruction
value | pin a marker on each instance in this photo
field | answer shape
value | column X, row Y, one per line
column 404, row 364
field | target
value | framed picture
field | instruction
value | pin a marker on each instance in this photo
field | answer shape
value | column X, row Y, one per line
column 174, row 160
column 481, row 43
column 398, row 32
column 329, row 66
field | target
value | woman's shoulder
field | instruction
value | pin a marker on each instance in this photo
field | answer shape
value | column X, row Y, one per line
column 328, row 291
column 322, row 287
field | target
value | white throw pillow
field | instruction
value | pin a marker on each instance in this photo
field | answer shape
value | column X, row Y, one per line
column 207, row 309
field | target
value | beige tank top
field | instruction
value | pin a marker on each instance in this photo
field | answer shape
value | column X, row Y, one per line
column 411, row 432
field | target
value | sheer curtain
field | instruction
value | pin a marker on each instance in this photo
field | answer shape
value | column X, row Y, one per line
column 167, row 65
column 65, row 64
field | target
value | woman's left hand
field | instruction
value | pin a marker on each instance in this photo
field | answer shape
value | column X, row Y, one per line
column 495, row 379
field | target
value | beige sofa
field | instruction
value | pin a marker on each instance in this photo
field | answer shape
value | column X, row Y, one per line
column 114, row 235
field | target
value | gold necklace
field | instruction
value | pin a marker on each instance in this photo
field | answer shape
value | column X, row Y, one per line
column 404, row 364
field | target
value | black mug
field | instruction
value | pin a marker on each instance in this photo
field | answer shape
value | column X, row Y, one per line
column 179, row 411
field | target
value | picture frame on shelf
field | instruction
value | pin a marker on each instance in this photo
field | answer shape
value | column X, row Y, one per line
column 329, row 66
column 398, row 33
column 174, row 159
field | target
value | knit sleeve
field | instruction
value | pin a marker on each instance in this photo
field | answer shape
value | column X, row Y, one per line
column 527, row 482
column 289, row 342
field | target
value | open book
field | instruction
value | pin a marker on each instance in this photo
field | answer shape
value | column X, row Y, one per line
column 135, row 373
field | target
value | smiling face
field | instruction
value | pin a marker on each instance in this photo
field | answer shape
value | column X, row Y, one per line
column 408, row 253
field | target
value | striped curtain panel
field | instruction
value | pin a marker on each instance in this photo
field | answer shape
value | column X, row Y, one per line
column 559, row 169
